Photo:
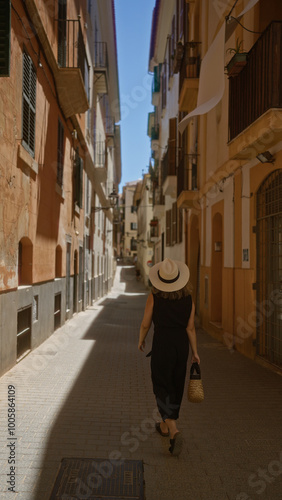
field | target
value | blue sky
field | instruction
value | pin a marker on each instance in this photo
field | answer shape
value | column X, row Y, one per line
column 133, row 27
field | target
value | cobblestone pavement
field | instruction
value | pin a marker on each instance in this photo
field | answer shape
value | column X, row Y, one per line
column 86, row 392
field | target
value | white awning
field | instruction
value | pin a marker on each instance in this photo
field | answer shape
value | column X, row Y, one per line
column 212, row 78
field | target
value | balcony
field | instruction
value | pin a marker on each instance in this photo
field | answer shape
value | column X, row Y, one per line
column 187, row 181
column 168, row 172
column 255, row 97
column 158, row 203
column 109, row 124
column 189, row 77
column 156, row 85
column 100, row 160
column 101, row 67
column 72, row 76
column 154, row 231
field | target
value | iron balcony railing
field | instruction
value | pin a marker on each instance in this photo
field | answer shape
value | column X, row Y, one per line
column 110, row 125
column 71, row 48
column 187, row 173
column 191, row 62
column 257, row 88
column 100, row 55
column 168, row 164
column 156, row 83
column 100, row 154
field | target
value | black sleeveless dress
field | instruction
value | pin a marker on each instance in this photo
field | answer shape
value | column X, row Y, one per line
column 170, row 353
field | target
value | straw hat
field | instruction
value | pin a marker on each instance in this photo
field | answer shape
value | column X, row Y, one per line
column 169, row 275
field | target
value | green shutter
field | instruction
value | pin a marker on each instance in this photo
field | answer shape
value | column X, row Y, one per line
column 5, row 30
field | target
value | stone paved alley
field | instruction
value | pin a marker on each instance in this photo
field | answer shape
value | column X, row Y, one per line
column 86, row 392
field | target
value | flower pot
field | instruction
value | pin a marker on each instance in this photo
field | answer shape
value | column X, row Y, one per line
column 236, row 64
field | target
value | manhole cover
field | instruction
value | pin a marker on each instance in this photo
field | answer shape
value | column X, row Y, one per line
column 99, row 479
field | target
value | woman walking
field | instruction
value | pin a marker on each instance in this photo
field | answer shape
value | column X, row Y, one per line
column 172, row 311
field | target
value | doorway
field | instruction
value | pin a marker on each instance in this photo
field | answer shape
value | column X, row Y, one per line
column 269, row 269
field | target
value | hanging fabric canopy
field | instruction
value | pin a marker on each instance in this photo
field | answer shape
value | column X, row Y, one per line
column 212, row 78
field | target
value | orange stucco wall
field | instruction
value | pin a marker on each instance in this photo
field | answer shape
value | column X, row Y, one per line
column 31, row 205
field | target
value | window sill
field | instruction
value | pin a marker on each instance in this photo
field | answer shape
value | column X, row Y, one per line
column 27, row 159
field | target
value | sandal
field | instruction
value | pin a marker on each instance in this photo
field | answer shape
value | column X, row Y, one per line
column 176, row 444
column 159, row 430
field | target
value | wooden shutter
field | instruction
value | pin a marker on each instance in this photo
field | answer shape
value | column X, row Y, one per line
column 60, row 154
column 174, row 224
column 78, row 180
column 168, row 228
column 181, row 18
column 179, row 226
column 5, row 36
column 164, row 84
column 29, row 104
column 172, row 146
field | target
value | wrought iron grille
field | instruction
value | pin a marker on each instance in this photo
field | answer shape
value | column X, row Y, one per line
column 269, row 269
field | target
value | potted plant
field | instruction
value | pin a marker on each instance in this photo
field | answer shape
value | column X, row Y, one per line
column 154, row 222
column 238, row 61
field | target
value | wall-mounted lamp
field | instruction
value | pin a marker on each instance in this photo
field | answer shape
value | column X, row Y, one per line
column 113, row 199
column 266, row 157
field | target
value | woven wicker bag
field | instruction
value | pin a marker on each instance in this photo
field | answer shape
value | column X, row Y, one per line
column 195, row 386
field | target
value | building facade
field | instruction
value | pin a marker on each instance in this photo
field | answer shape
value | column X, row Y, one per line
column 59, row 162
column 129, row 221
column 218, row 57
column 147, row 230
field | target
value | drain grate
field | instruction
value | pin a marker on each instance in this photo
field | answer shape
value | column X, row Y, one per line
column 99, row 479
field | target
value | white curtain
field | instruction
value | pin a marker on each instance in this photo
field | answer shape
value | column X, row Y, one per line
column 212, row 78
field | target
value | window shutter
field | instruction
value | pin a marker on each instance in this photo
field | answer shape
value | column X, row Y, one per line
column 29, row 103
column 172, row 147
column 5, row 36
column 78, row 180
column 60, row 155
column 164, row 79
column 179, row 226
column 168, row 228
column 174, row 224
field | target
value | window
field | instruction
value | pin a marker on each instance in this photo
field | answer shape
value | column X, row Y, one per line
column 25, row 255
column 24, row 332
column 80, row 276
column 62, row 32
column 60, row 154
column 78, row 179
column 174, row 224
column 172, row 46
column 5, row 30
column 133, row 245
column 133, row 226
column 179, row 225
column 29, row 104
column 164, row 78
column 168, row 228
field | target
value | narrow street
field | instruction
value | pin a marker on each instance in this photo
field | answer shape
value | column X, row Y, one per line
column 86, row 393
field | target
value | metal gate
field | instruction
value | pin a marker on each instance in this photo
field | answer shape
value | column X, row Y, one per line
column 269, row 269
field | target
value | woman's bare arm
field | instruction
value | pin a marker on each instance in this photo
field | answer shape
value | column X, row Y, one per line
column 191, row 332
column 146, row 322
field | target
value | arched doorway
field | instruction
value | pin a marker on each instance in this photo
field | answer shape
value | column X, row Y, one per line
column 216, row 270
column 269, row 268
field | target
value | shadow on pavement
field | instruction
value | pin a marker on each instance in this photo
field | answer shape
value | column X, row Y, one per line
column 112, row 390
